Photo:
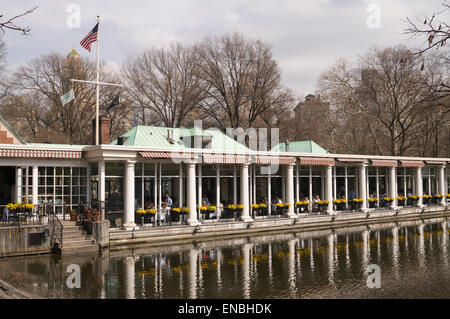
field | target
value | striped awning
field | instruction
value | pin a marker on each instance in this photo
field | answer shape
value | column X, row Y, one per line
column 224, row 159
column 269, row 160
column 436, row 162
column 384, row 163
column 13, row 153
column 412, row 163
column 352, row 160
column 316, row 161
column 169, row 155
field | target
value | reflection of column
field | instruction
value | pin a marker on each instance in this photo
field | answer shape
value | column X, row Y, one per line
column 395, row 251
column 290, row 190
column 244, row 194
column 129, row 278
column 366, row 250
column 219, row 269
column 269, row 264
column 331, row 259
column 421, row 245
column 129, row 196
column 193, row 258
column 35, row 184
column 393, row 186
column 347, row 253
column 444, row 242
column 191, row 202
column 442, row 189
column 362, row 187
column 19, row 171
column 311, row 254
column 329, row 188
column 292, row 277
column 246, row 270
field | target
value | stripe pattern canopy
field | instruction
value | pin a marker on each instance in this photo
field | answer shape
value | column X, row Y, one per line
column 266, row 160
column 412, row 163
column 384, row 163
column 13, row 153
column 316, row 161
column 169, row 155
column 224, row 159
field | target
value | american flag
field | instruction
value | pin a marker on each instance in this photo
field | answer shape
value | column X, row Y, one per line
column 90, row 38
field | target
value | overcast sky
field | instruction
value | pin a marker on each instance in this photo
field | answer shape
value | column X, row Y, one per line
column 306, row 35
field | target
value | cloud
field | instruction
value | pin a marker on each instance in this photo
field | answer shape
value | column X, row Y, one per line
column 307, row 36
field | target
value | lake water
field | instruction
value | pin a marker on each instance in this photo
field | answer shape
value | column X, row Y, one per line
column 413, row 258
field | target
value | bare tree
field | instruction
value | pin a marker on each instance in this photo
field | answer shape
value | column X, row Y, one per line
column 243, row 80
column 163, row 85
column 10, row 23
column 383, row 98
column 35, row 107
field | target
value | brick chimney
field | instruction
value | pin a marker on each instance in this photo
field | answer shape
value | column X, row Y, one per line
column 105, row 127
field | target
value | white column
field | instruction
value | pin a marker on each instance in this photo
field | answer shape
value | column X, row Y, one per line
column 217, row 190
column 442, row 189
column 362, row 186
column 35, row 185
column 155, row 187
column 129, row 208
column 297, row 185
column 283, row 184
column 200, row 191
column 290, row 191
column 244, row 194
column 235, row 185
column 191, row 201
column 419, row 186
column 393, row 186
column 180, row 187
column 88, row 186
column 101, row 184
column 269, row 193
column 329, row 188
column 19, row 171
column 130, row 283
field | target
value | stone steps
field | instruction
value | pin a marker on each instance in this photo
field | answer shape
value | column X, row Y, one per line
column 76, row 240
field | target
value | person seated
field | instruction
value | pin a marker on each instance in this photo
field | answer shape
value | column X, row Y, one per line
column 164, row 213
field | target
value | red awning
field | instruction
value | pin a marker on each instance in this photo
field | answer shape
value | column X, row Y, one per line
column 316, row 161
column 225, row 159
column 12, row 153
column 269, row 160
column 436, row 162
column 169, row 155
column 412, row 163
column 352, row 160
column 384, row 163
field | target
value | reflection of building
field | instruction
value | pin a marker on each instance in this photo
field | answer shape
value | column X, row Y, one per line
column 139, row 167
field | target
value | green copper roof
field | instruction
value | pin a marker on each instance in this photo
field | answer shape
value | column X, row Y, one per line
column 157, row 137
column 73, row 51
column 301, row 147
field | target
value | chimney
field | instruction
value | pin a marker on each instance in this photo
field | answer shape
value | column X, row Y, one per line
column 105, row 127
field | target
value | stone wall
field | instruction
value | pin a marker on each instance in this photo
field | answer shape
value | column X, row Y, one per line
column 25, row 240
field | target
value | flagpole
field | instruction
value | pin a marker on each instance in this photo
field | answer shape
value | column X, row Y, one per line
column 98, row 87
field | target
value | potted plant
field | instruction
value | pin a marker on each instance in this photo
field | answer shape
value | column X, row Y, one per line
column 211, row 210
column 357, row 203
column 202, row 211
column 438, row 198
column 263, row 209
column 401, row 200
column 427, row 199
column 323, row 204
column 73, row 214
column 255, row 209
column 280, row 208
column 373, row 202
column 95, row 215
column 388, row 202
column 239, row 209
column 414, row 199
column 141, row 214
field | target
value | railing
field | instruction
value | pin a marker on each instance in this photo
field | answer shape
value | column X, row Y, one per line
column 55, row 223
column 19, row 218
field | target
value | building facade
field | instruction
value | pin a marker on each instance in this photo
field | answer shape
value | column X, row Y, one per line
column 196, row 166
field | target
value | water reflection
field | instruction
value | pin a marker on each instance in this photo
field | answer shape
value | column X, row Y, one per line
column 413, row 257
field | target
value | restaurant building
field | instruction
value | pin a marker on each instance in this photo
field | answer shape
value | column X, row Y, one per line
column 193, row 165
